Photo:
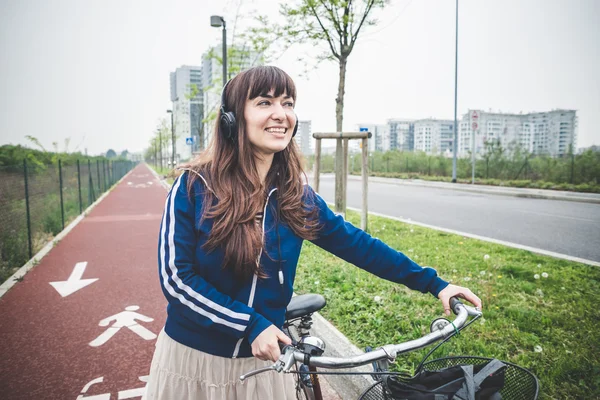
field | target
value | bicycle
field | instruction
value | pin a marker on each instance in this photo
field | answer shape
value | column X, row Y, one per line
column 305, row 355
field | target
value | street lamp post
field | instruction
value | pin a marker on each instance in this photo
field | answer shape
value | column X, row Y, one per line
column 455, row 141
column 160, row 154
column 172, row 140
column 217, row 21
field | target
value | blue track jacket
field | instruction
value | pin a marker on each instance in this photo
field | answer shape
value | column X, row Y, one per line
column 209, row 310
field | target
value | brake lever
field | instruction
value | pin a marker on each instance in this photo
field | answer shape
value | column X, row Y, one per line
column 258, row 371
column 284, row 363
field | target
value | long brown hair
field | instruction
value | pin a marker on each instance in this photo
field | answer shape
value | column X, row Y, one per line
column 230, row 169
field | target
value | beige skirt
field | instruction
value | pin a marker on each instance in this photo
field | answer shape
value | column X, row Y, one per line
column 179, row 372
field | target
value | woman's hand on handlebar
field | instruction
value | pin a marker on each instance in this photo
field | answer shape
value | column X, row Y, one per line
column 458, row 291
column 266, row 345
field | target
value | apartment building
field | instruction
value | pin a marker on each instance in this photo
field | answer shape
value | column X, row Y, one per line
column 188, row 110
column 551, row 133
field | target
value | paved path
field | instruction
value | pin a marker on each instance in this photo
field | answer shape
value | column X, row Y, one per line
column 54, row 347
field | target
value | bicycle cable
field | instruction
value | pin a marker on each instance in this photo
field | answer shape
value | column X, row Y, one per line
column 348, row 373
column 444, row 341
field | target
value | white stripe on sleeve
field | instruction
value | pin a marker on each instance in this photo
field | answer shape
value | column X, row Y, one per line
column 180, row 284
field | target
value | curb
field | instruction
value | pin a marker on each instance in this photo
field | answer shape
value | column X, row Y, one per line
column 338, row 345
column 593, row 198
column 35, row 260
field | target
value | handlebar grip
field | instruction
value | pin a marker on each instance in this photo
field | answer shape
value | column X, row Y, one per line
column 454, row 301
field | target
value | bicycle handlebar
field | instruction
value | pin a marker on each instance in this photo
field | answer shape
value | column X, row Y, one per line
column 290, row 354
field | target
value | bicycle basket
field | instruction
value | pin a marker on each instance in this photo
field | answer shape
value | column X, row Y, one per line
column 519, row 384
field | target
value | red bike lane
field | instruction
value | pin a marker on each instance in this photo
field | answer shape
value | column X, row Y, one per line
column 97, row 341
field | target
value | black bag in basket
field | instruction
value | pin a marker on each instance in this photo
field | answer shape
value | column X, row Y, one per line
column 462, row 382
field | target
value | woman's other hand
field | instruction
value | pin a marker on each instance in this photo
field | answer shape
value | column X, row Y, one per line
column 266, row 345
column 458, row 291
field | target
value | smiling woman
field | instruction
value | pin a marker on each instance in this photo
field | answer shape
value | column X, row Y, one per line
column 229, row 245
column 270, row 119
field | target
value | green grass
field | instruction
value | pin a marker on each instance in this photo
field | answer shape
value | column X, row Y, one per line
column 560, row 313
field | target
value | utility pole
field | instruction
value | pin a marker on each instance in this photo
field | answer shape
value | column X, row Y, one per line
column 217, row 21
column 172, row 140
column 455, row 141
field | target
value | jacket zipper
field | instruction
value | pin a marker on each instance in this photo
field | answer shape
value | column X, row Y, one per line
column 254, row 278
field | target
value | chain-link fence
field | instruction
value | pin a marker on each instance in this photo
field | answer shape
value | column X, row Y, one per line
column 37, row 201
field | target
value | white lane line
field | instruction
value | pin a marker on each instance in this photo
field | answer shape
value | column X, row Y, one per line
column 487, row 239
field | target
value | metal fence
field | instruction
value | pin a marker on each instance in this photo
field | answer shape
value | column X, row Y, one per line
column 37, row 201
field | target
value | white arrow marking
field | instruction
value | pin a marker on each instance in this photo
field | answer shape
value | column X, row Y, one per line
column 74, row 283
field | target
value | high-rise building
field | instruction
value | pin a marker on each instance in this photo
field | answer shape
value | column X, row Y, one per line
column 379, row 134
column 433, row 136
column 188, row 110
column 303, row 137
column 552, row 132
column 401, row 135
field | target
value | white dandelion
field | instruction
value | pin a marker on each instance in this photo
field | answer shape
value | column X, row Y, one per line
column 486, row 257
column 544, row 274
column 536, row 276
column 466, row 279
column 482, row 273
column 377, row 299
column 537, row 349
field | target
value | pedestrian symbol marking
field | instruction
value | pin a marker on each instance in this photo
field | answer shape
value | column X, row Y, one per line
column 123, row 394
column 124, row 319
column 74, row 283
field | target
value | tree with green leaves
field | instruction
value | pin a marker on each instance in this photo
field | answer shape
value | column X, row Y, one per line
column 332, row 27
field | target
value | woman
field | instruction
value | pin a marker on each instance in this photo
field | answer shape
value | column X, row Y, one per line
column 230, row 238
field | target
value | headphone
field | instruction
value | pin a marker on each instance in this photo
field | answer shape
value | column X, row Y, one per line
column 228, row 124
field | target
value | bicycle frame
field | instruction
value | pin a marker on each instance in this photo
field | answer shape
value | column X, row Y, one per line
column 309, row 383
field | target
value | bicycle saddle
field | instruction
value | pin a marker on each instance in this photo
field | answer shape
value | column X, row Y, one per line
column 304, row 304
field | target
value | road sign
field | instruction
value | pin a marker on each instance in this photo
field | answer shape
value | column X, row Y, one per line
column 364, row 129
column 475, row 115
column 189, row 140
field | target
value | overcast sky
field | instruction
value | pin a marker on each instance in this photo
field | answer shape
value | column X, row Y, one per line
column 97, row 72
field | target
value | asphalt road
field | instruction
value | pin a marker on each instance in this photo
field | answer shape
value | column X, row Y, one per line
column 564, row 227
